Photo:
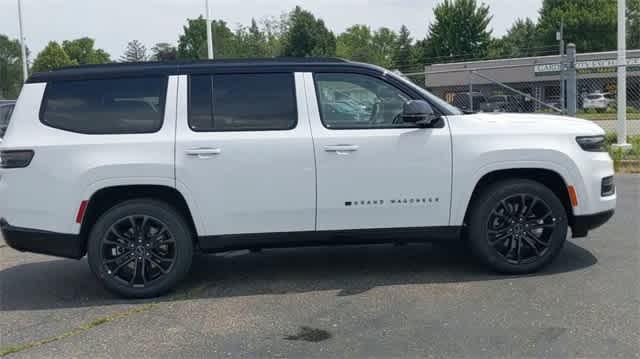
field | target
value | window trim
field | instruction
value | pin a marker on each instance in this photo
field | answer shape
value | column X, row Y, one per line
column 163, row 104
column 317, row 90
column 212, row 75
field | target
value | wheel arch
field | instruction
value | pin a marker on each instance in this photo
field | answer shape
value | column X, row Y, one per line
column 545, row 176
column 105, row 198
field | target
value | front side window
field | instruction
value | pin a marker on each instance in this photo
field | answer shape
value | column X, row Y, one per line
column 353, row 101
column 242, row 102
column 112, row 106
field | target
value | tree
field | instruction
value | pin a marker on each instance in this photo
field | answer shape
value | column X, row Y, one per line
column 10, row 68
column 135, row 52
column 402, row 57
column 519, row 41
column 225, row 44
column 590, row 24
column 82, row 52
column 384, row 43
column 51, row 58
column 252, row 42
column 307, row 36
column 356, row 44
column 163, row 51
column 633, row 26
column 274, row 30
column 460, row 29
column 192, row 44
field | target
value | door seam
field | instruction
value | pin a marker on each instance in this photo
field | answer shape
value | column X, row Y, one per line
column 313, row 145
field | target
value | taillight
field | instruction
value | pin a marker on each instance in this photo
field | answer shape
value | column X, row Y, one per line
column 15, row 159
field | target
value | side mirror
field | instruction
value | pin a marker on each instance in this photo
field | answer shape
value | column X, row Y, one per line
column 418, row 112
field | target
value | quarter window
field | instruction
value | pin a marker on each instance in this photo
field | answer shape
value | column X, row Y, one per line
column 113, row 106
column 352, row 101
column 242, row 102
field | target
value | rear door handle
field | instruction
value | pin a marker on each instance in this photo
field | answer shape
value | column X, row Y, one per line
column 341, row 149
column 203, row 152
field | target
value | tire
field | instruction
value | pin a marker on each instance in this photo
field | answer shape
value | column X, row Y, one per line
column 507, row 243
column 143, row 263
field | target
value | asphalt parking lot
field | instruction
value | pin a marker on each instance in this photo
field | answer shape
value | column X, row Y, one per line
column 375, row 301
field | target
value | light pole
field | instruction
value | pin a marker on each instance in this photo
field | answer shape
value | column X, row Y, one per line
column 25, row 70
column 622, row 76
column 209, row 37
column 560, row 37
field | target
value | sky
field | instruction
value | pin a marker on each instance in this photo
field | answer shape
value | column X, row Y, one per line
column 113, row 23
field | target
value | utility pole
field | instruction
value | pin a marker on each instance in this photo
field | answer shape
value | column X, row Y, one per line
column 25, row 69
column 560, row 37
column 209, row 37
column 622, row 77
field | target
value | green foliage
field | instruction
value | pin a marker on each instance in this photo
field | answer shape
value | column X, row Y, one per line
column 519, row 41
column 633, row 24
column 590, row 24
column 251, row 41
column 135, row 52
column 51, row 58
column 624, row 160
column 163, row 51
column 384, row 44
column 355, row 44
column 307, row 36
column 460, row 28
column 403, row 58
column 10, row 68
column 192, row 44
column 82, row 52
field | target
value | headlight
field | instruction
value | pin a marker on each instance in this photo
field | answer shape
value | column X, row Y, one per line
column 592, row 143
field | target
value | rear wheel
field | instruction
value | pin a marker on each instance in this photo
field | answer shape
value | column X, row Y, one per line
column 517, row 226
column 140, row 248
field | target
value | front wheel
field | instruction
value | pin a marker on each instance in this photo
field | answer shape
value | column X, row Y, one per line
column 517, row 226
column 140, row 248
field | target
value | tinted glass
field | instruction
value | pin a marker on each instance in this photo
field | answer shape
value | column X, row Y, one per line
column 201, row 107
column 5, row 114
column 243, row 102
column 350, row 101
column 115, row 106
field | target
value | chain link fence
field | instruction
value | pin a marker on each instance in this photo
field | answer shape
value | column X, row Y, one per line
column 541, row 85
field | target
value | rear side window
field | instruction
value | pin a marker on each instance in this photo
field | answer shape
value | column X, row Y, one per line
column 242, row 102
column 113, row 106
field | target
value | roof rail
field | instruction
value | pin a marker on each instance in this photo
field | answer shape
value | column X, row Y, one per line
column 216, row 61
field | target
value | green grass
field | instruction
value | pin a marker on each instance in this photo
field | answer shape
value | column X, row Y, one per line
column 625, row 161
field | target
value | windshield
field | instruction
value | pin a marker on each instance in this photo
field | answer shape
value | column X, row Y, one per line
column 452, row 110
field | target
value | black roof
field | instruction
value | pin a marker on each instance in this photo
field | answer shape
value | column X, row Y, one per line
column 116, row 70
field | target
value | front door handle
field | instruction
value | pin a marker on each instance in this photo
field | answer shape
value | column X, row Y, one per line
column 341, row 149
column 203, row 152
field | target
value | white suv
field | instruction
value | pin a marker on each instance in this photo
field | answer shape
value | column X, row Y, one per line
column 139, row 166
column 598, row 101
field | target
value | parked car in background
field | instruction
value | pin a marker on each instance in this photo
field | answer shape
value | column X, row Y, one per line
column 598, row 101
column 162, row 161
column 6, row 109
column 504, row 103
column 462, row 101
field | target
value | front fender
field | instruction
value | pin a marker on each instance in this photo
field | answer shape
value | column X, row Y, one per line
column 465, row 180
